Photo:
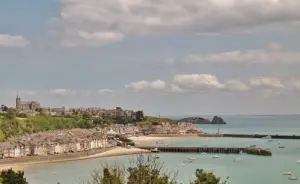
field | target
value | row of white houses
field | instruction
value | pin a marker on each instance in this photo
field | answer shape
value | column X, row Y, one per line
column 15, row 150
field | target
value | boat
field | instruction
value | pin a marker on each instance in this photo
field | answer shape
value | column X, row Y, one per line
column 203, row 153
column 237, row 159
column 182, row 164
column 215, row 156
column 298, row 161
column 267, row 137
column 252, row 146
column 287, row 173
column 192, row 158
column 155, row 150
column 281, row 147
column 292, row 178
column 270, row 140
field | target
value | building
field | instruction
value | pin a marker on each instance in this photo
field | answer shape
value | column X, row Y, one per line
column 139, row 115
column 26, row 105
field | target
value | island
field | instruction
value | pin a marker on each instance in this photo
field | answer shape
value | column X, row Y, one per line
column 200, row 120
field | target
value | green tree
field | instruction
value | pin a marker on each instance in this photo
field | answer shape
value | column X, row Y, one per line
column 203, row 177
column 86, row 115
column 4, row 108
column 146, row 170
column 12, row 177
column 97, row 121
column 11, row 114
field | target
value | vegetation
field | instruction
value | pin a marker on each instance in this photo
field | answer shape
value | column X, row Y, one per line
column 13, row 123
column 148, row 120
column 145, row 170
column 12, row 177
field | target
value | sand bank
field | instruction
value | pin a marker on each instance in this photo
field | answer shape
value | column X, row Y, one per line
column 119, row 151
column 148, row 139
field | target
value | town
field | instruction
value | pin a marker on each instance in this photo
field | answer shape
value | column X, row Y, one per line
column 101, row 134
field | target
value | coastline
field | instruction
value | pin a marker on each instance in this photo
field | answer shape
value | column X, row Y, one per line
column 19, row 164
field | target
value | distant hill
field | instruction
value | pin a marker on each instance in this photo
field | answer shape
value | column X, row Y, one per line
column 200, row 120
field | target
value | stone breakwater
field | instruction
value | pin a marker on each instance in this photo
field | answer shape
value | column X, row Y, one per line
column 220, row 150
column 256, row 136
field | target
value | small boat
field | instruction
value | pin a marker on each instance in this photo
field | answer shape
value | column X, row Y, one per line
column 270, row 140
column 267, row 137
column 203, row 153
column 182, row 164
column 155, row 150
column 215, row 156
column 281, row 147
column 252, row 146
column 298, row 162
column 292, row 178
column 287, row 173
column 237, row 159
column 192, row 158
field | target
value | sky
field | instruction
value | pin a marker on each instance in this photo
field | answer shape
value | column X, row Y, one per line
column 170, row 57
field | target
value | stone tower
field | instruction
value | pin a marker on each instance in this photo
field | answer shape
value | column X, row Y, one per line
column 18, row 102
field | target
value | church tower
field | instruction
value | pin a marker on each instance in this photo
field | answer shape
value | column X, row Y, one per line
column 18, row 102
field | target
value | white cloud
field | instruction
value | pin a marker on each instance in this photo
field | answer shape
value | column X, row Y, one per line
column 60, row 92
column 266, row 82
column 197, row 80
column 79, row 37
column 268, row 93
column 143, row 85
column 104, row 91
column 12, row 41
column 152, row 17
column 236, row 85
column 176, row 89
column 272, row 54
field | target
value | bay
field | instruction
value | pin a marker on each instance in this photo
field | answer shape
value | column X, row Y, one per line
column 252, row 169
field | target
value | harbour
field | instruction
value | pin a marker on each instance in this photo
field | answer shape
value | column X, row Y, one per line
column 222, row 150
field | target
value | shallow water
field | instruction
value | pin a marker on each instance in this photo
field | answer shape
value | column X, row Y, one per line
column 252, row 169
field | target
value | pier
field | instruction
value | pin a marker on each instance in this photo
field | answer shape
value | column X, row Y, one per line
column 220, row 150
column 257, row 136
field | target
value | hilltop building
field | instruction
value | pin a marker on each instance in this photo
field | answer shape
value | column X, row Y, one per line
column 26, row 105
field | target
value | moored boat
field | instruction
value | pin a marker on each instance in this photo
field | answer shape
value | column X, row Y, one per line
column 155, row 150
column 287, row 173
column 293, row 178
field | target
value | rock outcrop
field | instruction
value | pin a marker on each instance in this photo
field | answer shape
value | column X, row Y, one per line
column 218, row 120
column 200, row 120
column 195, row 120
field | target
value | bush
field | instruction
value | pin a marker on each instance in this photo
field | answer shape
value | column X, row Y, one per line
column 145, row 170
column 12, row 177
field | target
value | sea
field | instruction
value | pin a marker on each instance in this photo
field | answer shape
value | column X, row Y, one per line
column 250, row 169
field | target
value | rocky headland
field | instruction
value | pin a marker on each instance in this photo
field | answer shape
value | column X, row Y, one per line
column 200, row 120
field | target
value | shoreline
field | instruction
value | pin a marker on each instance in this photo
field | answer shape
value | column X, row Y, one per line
column 19, row 164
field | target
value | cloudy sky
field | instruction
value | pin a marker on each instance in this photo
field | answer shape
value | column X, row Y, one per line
column 171, row 57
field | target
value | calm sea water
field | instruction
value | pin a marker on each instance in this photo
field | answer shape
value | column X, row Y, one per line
column 252, row 169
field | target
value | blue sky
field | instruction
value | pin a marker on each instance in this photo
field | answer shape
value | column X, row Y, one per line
column 176, row 57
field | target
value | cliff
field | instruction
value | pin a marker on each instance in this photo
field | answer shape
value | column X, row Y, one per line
column 200, row 120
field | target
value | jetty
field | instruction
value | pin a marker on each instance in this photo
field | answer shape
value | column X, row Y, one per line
column 257, row 136
column 220, row 150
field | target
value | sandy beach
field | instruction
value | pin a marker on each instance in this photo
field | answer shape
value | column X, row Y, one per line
column 140, row 139
column 19, row 164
